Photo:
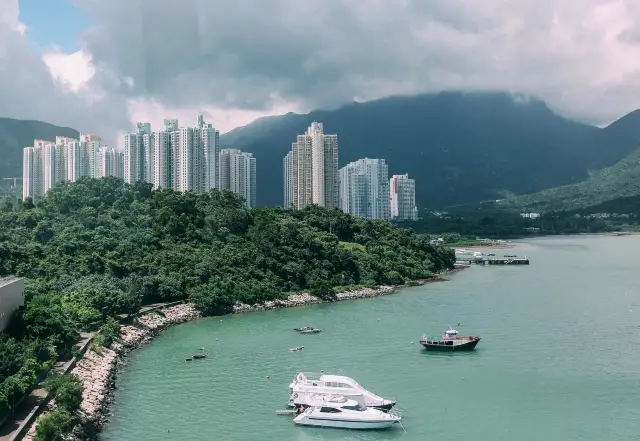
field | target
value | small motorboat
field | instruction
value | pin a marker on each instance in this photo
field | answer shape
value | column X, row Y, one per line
column 196, row 356
column 299, row 348
column 338, row 411
column 307, row 330
column 450, row 341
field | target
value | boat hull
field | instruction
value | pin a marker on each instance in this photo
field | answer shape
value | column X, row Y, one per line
column 305, row 420
column 467, row 346
column 383, row 407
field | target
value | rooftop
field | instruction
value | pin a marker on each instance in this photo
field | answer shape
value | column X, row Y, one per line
column 8, row 280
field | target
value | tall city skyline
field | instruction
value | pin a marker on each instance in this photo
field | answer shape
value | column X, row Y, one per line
column 364, row 188
column 361, row 188
column 179, row 158
column 48, row 163
column 310, row 170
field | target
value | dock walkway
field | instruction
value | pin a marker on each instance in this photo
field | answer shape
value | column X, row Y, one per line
column 493, row 260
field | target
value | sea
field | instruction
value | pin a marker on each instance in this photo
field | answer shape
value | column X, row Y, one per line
column 559, row 357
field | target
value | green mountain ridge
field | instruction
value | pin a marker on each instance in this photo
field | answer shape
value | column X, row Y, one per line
column 460, row 147
column 16, row 134
column 620, row 181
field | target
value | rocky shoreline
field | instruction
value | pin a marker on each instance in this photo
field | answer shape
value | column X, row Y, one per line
column 99, row 366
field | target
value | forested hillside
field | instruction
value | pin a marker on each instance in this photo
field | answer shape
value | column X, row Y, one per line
column 618, row 182
column 98, row 248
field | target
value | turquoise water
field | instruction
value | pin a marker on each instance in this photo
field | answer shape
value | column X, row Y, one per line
column 559, row 358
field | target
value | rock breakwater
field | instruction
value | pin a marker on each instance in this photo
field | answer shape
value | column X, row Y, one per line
column 308, row 299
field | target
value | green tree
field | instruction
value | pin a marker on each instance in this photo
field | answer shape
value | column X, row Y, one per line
column 54, row 425
column 66, row 390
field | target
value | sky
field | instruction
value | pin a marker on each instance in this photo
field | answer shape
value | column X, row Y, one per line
column 100, row 66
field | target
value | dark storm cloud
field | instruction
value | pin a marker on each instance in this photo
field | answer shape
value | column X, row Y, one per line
column 251, row 54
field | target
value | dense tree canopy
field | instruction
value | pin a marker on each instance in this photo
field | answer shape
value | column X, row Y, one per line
column 99, row 248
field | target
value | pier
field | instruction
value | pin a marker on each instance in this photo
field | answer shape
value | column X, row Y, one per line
column 493, row 260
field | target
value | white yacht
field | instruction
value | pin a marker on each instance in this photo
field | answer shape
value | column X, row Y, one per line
column 307, row 399
column 338, row 411
column 309, row 383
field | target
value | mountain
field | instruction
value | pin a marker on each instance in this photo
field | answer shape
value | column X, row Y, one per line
column 609, row 188
column 16, row 134
column 460, row 147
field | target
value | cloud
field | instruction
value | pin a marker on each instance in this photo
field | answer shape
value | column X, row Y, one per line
column 72, row 71
column 29, row 91
column 250, row 55
column 148, row 59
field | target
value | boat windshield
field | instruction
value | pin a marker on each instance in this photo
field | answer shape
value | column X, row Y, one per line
column 357, row 408
column 329, row 410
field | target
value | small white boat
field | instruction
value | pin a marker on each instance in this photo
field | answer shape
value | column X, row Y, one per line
column 309, row 383
column 340, row 412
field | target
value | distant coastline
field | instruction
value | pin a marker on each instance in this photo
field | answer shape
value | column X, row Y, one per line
column 98, row 368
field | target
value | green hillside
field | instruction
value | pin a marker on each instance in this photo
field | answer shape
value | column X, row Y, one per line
column 17, row 134
column 620, row 182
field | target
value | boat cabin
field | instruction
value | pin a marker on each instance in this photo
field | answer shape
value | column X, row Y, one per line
column 451, row 334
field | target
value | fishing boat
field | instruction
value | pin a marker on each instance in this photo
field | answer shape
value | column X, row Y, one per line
column 450, row 341
column 311, row 383
column 341, row 412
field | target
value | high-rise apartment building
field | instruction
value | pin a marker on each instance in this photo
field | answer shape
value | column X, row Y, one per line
column 90, row 145
column 107, row 162
column 48, row 164
column 185, row 156
column 364, row 189
column 313, row 176
column 61, row 147
column 207, row 141
column 32, row 178
column 402, row 192
column 237, row 172
column 137, row 153
column 287, row 164
column 162, row 159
